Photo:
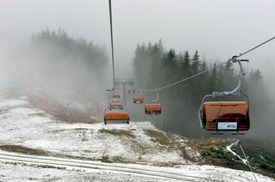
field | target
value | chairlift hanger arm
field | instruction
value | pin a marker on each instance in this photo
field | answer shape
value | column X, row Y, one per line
column 201, row 107
column 237, row 90
column 235, row 59
column 157, row 98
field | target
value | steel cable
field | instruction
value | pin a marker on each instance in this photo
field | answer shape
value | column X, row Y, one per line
column 112, row 41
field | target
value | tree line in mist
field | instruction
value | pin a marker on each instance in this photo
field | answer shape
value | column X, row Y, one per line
column 60, row 46
column 154, row 67
column 75, row 67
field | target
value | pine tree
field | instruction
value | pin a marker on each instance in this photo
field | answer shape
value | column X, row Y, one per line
column 213, row 81
column 195, row 63
column 186, row 63
column 170, row 63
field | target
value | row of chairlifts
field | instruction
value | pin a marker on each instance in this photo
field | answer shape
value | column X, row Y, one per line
column 153, row 107
column 219, row 111
column 116, row 111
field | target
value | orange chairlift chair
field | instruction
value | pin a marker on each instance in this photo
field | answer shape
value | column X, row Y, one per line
column 116, row 113
column 116, row 106
column 226, row 115
column 138, row 99
column 154, row 107
column 115, row 95
column 131, row 90
column 116, row 116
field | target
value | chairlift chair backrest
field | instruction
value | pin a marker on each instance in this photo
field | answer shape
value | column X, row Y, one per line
column 138, row 99
column 152, row 108
column 226, row 116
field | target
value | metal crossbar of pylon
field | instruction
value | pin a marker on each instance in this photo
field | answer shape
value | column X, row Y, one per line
column 124, row 82
column 128, row 81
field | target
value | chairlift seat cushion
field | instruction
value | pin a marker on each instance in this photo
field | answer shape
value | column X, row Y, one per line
column 153, row 108
column 116, row 115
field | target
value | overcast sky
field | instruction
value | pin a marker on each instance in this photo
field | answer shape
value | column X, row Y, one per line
column 216, row 28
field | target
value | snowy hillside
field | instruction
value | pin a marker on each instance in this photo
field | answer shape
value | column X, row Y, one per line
column 30, row 131
column 29, row 127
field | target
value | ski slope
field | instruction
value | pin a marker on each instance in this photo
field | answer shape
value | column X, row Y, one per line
column 131, row 154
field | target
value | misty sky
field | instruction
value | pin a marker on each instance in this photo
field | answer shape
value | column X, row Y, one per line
column 216, row 28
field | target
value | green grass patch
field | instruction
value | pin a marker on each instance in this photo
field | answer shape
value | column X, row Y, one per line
column 213, row 151
column 105, row 158
column 157, row 136
column 258, row 157
column 222, row 157
column 169, row 141
column 23, row 150
column 119, row 133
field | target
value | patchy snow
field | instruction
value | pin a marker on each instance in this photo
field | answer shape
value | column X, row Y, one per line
column 23, row 172
column 50, row 168
column 193, row 153
column 30, row 127
column 127, row 172
column 234, row 153
column 24, row 125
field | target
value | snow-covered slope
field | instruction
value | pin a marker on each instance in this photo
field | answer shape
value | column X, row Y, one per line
column 29, row 127
column 29, row 130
